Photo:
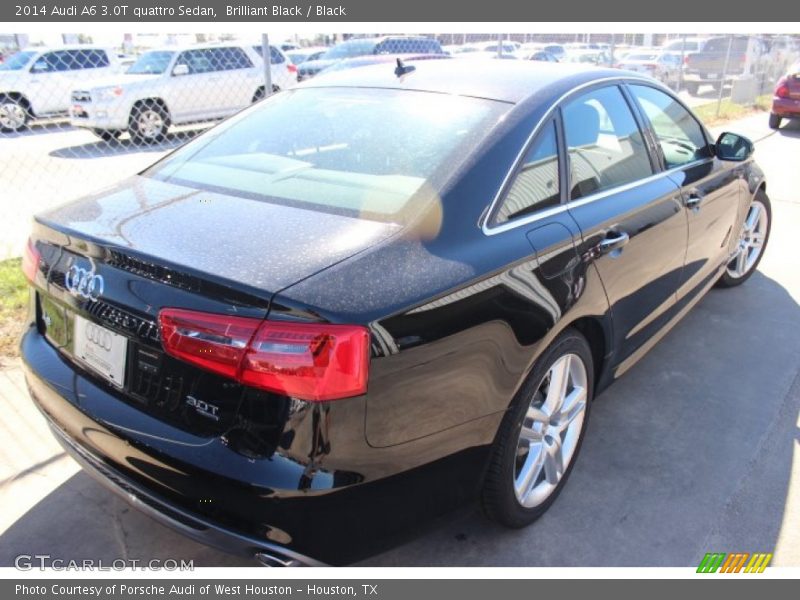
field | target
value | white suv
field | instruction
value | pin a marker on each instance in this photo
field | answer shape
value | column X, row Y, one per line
column 37, row 82
column 176, row 85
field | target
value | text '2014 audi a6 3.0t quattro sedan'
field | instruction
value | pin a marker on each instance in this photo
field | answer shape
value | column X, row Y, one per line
column 378, row 295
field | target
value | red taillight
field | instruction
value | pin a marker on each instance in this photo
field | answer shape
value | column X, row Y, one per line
column 686, row 60
column 292, row 68
column 310, row 361
column 30, row 260
column 214, row 342
column 782, row 89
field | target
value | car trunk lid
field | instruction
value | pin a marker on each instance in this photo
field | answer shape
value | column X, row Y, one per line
column 111, row 262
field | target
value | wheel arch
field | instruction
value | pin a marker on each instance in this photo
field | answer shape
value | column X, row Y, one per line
column 21, row 98
column 153, row 100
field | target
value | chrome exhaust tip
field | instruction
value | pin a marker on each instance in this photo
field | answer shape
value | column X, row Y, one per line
column 274, row 559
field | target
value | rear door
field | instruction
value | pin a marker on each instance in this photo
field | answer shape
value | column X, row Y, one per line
column 238, row 77
column 200, row 93
column 629, row 213
column 53, row 77
column 711, row 191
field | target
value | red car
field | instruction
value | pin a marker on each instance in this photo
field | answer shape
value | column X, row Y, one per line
column 786, row 101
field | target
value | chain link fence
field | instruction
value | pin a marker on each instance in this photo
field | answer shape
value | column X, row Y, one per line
column 79, row 117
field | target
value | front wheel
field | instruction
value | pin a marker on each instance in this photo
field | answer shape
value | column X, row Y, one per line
column 148, row 123
column 13, row 115
column 753, row 238
column 540, row 435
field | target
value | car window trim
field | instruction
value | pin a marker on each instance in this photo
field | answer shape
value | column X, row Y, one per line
column 484, row 221
column 657, row 159
column 554, row 210
column 651, row 129
column 655, row 166
column 554, row 121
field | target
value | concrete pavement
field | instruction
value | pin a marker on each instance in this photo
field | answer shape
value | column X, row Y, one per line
column 696, row 449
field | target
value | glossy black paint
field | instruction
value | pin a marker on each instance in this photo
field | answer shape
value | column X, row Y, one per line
column 458, row 312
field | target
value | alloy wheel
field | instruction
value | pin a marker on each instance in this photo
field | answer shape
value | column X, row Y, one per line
column 550, row 431
column 751, row 241
column 149, row 123
column 12, row 116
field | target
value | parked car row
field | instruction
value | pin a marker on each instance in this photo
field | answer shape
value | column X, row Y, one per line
column 164, row 86
column 110, row 93
column 786, row 99
column 354, row 48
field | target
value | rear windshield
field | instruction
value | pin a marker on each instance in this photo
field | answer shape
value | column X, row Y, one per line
column 349, row 49
column 679, row 45
column 360, row 152
column 641, row 57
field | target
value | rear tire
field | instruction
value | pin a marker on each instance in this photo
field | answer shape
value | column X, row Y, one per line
column 539, row 438
column 148, row 123
column 259, row 95
column 692, row 88
column 753, row 239
column 774, row 121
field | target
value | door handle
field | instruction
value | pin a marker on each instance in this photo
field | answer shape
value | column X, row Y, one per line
column 693, row 200
column 614, row 240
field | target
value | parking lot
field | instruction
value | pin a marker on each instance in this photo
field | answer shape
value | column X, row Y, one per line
column 697, row 449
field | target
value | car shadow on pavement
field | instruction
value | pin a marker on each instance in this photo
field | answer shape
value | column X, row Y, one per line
column 125, row 145
column 790, row 129
column 690, row 452
column 38, row 129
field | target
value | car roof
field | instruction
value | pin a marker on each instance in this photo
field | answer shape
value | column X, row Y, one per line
column 507, row 81
column 67, row 47
column 204, row 45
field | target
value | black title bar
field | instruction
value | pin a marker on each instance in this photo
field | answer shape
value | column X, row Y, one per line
column 453, row 11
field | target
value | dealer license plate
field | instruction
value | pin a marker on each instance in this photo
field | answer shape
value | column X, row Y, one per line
column 102, row 350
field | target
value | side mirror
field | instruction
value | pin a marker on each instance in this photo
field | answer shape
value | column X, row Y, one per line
column 731, row 146
column 181, row 69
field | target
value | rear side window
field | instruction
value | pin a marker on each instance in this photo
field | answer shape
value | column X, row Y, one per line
column 198, row 61
column 680, row 136
column 276, row 56
column 606, row 148
column 210, row 60
column 229, row 59
column 90, row 59
column 535, row 185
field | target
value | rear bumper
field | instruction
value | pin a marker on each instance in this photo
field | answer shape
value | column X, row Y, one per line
column 786, row 107
column 166, row 513
column 280, row 506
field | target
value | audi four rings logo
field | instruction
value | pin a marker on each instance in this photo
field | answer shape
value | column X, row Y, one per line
column 98, row 336
column 83, row 283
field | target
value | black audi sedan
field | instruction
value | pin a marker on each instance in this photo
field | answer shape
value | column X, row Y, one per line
column 376, row 296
